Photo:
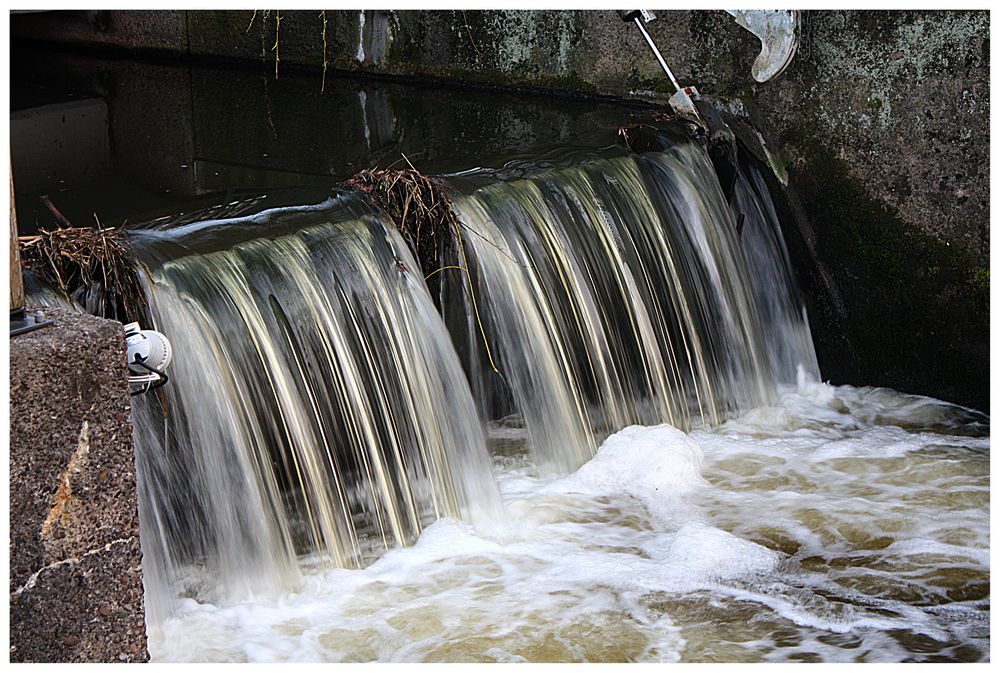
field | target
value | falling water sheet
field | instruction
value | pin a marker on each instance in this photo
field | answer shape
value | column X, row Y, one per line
column 617, row 292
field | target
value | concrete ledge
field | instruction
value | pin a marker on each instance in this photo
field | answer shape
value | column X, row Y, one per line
column 75, row 562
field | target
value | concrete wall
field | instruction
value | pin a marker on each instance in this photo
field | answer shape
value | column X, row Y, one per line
column 881, row 122
column 75, row 562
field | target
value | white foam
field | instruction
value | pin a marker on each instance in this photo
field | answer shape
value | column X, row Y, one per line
column 656, row 465
column 701, row 552
column 829, row 522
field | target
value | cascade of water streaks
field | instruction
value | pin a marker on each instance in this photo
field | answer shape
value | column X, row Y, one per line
column 617, row 291
column 315, row 406
column 776, row 298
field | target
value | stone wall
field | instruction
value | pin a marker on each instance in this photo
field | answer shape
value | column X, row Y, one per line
column 75, row 562
column 881, row 124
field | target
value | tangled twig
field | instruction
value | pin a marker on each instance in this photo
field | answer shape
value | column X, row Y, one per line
column 79, row 260
column 420, row 209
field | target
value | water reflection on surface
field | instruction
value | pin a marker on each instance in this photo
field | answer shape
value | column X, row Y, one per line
column 166, row 138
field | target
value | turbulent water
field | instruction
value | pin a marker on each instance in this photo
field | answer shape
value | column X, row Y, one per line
column 304, row 410
column 600, row 438
column 619, row 291
column 841, row 524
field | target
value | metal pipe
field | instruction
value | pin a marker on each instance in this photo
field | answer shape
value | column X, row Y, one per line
column 16, row 282
column 656, row 52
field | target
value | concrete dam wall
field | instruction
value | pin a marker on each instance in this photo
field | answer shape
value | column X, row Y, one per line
column 881, row 123
column 870, row 162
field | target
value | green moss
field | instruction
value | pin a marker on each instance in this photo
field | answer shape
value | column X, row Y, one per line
column 981, row 279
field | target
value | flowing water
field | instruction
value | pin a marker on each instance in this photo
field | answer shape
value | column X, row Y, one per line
column 304, row 412
column 840, row 524
column 618, row 291
column 615, row 447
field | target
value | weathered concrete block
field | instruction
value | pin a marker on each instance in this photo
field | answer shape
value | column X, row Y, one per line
column 75, row 564
column 163, row 31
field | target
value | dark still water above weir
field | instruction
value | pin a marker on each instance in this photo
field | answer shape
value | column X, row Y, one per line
column 597, row 432
column 154, row 139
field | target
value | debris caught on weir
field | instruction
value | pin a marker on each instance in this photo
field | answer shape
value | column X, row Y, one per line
column 418, row 207
column 640, row 138
column 93, row 266
column 644, row 136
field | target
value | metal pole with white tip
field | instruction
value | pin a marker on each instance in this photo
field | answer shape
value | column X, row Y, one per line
column 641, row 16
column 681, row 101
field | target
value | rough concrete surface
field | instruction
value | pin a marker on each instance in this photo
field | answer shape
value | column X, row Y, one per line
column 903, row 99
column 75, row 564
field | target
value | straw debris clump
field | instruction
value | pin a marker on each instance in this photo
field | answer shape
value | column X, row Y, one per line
column 93, row 266
column 418, row 207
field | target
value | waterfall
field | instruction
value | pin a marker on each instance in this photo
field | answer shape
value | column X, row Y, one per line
column 322, row 409
column 315, row 404
column 776, row 297
column 617, row 291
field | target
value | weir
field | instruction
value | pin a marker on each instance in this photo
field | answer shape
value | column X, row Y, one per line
column 619, row 291
column 321, row 410
column 486, row 341
column 318, row 407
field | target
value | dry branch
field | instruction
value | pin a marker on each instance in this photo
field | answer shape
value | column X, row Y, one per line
column 639, row 137
column 419, row 208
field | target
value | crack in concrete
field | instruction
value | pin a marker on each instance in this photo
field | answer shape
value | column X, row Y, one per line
column 64, row 492
column 30, row 583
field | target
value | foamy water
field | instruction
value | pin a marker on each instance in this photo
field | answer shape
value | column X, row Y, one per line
column 842, row 524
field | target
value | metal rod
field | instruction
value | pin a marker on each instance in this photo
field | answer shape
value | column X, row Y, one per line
column 656, row 52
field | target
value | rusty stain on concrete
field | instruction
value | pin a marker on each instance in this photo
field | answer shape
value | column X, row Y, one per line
column 62, row 496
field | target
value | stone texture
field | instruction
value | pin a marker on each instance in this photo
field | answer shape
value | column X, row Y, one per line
column 882, row 125
column 902, row 99
column 149, row 30
column 75, row 562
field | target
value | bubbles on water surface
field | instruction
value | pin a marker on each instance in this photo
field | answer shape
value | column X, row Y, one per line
column 813, row 530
